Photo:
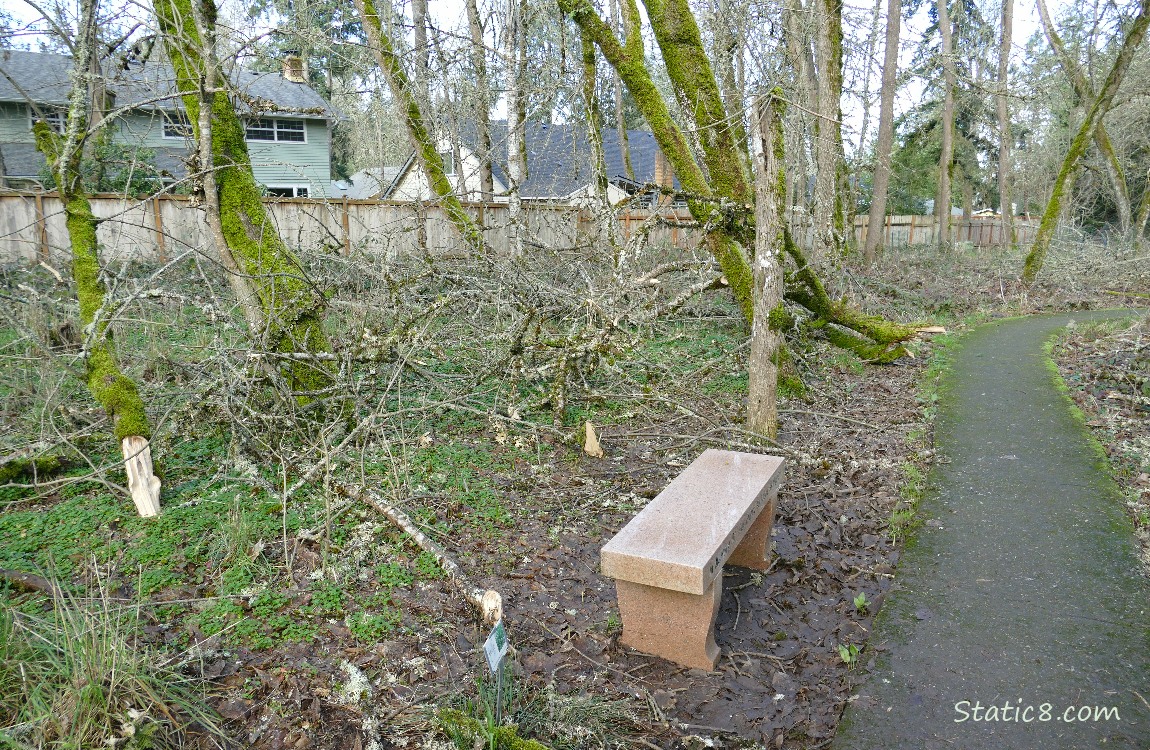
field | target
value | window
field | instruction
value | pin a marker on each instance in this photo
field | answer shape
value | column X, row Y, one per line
column 448, row 161
column 176, row 125
column 266, row 129
column 290, row 130
column 287, row 191
column 54, row 116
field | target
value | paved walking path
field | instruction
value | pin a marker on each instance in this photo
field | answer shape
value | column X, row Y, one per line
column 1023, row 591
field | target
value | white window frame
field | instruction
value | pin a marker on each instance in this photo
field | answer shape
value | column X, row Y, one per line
column 176, row 118
column 275, row 128
column 55, row 116
column 294, row 188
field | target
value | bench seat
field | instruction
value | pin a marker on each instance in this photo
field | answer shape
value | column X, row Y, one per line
column 667, row 562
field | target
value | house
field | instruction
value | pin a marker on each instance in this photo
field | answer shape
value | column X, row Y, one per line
column 364, row 184
column 288, row 124
column 559, row 166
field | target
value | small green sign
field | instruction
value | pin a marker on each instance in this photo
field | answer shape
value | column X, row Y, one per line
column 496, row 646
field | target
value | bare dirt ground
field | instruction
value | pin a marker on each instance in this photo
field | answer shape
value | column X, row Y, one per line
column 331, row 630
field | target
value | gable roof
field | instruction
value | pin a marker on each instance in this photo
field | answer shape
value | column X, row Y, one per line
column 44, row 76
column 559, row 158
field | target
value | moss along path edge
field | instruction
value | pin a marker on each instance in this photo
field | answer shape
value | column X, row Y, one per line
column 1020, row 619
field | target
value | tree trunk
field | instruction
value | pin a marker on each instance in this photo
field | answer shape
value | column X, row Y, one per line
column 721, row 139
column 113, row 390
column 770, row 222
column 292, row 307
column 946, row 157
column 620, row 117
column 718, row 198
column 1085, row 93
column 865, row 96
column 1094, row 116
column 600, row 201
column 422, row 51
column 874, row 234
column 629, row 60
column 426, row 149
column 482, row 101
column 1005, row 204
column 515, row 60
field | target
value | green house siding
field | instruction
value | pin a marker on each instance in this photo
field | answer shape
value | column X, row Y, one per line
column 285, row 163
column 145, row 128
column 15, row 126
column 277, row 163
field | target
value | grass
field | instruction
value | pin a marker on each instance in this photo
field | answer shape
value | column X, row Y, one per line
column 73, row 677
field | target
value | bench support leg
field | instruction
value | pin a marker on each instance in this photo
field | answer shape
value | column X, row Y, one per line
column 673, row 625
column 755, row 549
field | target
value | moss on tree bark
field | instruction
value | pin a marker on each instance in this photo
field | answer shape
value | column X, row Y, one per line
column 1098, row 110
column 113, row 390
column 293, row 308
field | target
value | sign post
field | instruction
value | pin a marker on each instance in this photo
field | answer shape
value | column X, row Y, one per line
column 495, row 647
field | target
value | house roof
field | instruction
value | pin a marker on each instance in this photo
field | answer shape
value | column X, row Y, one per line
column 559, row 157
column 44, row 77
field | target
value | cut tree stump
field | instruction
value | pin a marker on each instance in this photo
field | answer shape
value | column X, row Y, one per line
column 142, row 482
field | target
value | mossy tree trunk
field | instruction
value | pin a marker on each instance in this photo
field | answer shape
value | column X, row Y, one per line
column 422, row 140
column 627, row 57
column 1097, row 111
column 719, row 192
column 292, row 308
column 113, row 390
column 1085, row 93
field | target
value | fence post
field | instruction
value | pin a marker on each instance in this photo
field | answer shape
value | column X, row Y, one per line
column 346, row 227
column 41, row 229
column 158, row 220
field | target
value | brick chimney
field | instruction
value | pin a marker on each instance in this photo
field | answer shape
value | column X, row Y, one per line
column 295, row 68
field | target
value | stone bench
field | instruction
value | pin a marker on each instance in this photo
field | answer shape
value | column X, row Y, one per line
column 668, row 561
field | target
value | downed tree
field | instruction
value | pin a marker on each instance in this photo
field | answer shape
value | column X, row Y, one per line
column 716, row 182
column 291, row 308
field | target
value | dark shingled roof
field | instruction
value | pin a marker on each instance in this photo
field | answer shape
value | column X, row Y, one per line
column 44, row 77
column 21, row 160
column 559, row 157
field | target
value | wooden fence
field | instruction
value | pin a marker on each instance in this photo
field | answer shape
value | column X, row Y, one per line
column 32, row 226
column 157, row 229
column 980, row 231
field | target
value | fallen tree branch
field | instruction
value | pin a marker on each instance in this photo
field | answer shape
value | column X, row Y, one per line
column 30, row 582
column 487, row 601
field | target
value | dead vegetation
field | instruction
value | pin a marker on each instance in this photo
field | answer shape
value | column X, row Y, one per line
column 461, row 393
